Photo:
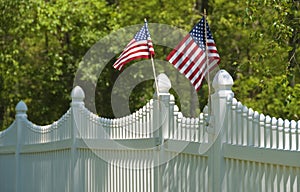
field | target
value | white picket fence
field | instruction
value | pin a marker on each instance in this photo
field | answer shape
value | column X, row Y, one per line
column 154, row 149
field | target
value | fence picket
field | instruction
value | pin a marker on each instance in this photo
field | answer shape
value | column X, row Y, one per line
column 274, row 134
column 285, row 131
column 297, row 136
column 261, row 132
column 292, row 135
column 267, row 132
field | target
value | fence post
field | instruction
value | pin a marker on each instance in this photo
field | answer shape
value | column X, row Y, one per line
column 222, row 84
column 161, row 109
column 161, row 116
column 21, row 116
column 77, row 95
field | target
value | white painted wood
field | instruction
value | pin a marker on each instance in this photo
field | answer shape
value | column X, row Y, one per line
column 155, row 148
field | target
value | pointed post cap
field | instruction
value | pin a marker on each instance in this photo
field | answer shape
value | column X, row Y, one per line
column 222, row 81
column 77, row 95
column 163, row 83
column 21, row 108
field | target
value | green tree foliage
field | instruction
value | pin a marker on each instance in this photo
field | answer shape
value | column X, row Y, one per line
column 42, row 43
column 261, row 52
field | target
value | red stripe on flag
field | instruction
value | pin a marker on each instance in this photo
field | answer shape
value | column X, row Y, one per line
column 140, row 54
column 175, row 50
column 196, row 61
column 189, row 55
column 133, row 46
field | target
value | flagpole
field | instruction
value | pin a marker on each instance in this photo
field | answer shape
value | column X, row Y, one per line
column 154, row 73
column 153, row 68
column 157, row 94
column 207, row 66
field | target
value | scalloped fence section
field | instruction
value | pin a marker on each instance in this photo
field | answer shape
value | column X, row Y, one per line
column 246, row 127
column 228, row 147
column 134, row 126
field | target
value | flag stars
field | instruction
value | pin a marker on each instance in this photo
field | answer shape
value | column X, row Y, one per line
column 143, row 34
column 198, row 34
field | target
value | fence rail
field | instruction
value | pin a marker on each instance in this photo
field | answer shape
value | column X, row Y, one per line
column 155, row 148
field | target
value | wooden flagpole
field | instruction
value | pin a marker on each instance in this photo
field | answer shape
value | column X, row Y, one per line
column 158, row 188
column 153, row 67
column 154, row 73
column 207, row 66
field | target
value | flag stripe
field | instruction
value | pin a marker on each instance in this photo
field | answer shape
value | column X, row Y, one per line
column 135, row 49
column 133, row 57
column 178, row 50
column 133, row 45
column 142, row 53
column 190, row 59
column 198, row 64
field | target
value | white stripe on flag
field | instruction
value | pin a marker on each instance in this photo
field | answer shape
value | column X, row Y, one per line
column 131, row 56
column 191, row 60
column 132, row 50
column 186, row 54
column 197, row 65
column 178, row 52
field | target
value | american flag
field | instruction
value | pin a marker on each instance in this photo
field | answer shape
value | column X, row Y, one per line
column 139, row 47
column 189, row 56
